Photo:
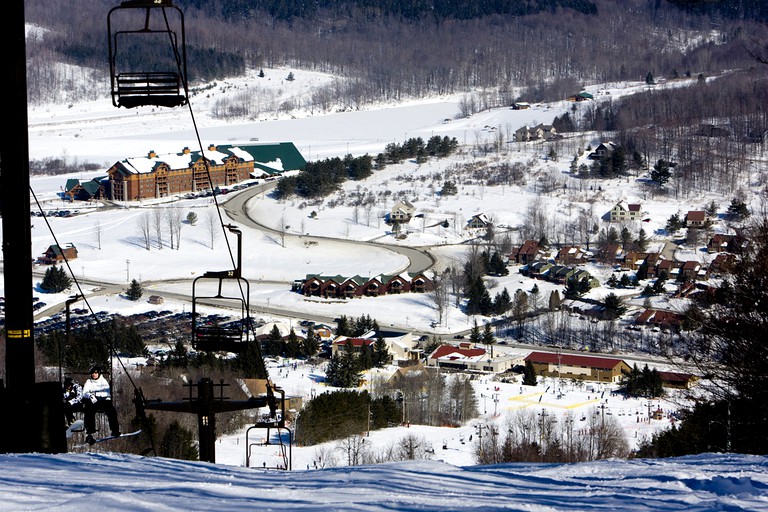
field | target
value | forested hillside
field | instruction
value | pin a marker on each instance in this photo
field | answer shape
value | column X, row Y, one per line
column 536, row 50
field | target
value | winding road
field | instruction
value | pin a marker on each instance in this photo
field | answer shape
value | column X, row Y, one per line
column 236, row 207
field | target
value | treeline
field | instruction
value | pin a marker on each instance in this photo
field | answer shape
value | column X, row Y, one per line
column 536, row 51
column 91, row 345
column 439, row 10
column 324, row 177
column 340, row 414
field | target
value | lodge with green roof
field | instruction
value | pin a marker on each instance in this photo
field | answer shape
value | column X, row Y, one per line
column 154, row 175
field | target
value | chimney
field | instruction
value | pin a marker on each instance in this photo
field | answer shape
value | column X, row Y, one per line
column 185, row 150
column 151, row 154
column 212, row 147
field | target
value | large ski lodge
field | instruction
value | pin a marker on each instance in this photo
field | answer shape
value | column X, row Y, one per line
column 156, row 175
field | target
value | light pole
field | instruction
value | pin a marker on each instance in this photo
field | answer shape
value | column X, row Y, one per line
column 495, row 403
column 128, row 271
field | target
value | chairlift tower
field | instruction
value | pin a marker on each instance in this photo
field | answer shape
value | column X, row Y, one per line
column 38, row 403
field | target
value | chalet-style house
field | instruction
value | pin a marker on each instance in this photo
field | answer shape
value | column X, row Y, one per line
column 625, row 212
column 582, row 96
column 479, row 221
column 402, row 212
column 664, row 320
column 537, row 269
column 402, row 348
column 521, row 105
column 55, row 254
column 74, row 189
column 574, row 366
column 721, row 242
column 467, row 357
column 526, row 253
column 571, row 255
column 339, row 287
column 604, row 150
column 695, row 219
column 156, row 175
column 540, row 132
column 610, row 253
column 723, row 262
column 692, row 270
column 656, row 265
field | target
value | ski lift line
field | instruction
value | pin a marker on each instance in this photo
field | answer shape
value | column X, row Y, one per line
column 75, row 280
column 148, row 85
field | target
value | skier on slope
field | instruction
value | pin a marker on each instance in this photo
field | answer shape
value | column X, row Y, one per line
column 73, row 396
column 97, row 397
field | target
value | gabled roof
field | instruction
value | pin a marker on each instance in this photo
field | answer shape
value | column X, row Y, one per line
column 356, row 342
column 573, row 360
column 270, row 158
column 404, row 205
column 457, row 353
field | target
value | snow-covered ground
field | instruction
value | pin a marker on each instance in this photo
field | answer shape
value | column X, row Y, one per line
column 96, row 132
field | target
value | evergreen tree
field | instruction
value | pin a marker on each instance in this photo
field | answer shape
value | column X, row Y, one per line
column 738, row 209
column 496, row 266
column 311, row 343
column 642, row 271
column 273, row 344
column 293, row 345
column 55, row 280
column 575, row 287
column 381, row 354
column 625, row 281
column 730, row 349
column 661, row 172
column 614, row 305
column 134, row 291
column 642, row 240
column 674, row 224
column 478, row 299
column 342, row 326
column 178, row 443
column 488, row 338
column 626, row 238
column 474, row 334
column 554, row 300
column 502, row 302
column 529, row 374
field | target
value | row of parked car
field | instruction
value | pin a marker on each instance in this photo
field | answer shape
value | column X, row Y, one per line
column 54, row 213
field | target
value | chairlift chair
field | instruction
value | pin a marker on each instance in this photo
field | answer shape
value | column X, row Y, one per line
column 164, row 83
column 231, row 336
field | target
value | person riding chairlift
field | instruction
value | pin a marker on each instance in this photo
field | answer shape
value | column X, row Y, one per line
column 97, row 397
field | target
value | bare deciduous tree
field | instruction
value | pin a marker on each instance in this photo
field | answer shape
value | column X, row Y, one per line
column 440, row 295
column 213, row 226
column 157, row 224
column 145, row 229
column 98, row 231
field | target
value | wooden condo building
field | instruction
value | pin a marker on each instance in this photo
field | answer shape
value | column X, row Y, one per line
column 154, row 175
